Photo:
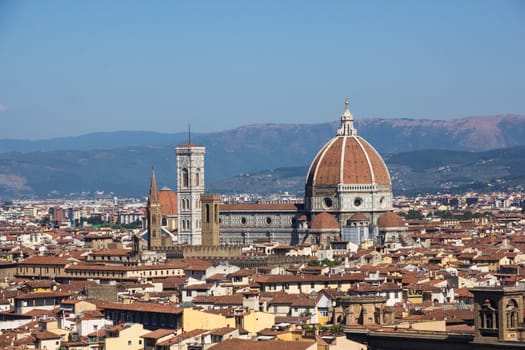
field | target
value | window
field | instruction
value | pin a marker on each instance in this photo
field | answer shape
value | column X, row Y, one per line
column 512, row 314
column 323, row 313
column 185, row 177
column 129, row 342
column 488, row 314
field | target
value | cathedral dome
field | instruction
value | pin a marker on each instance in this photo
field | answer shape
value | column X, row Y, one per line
column 168, row 201
column 359, row 217
column 390, row 220
column 348, row 176
column 347, row 159
column 324, row 221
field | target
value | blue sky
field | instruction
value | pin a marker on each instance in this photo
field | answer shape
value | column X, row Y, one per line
column 72, row 67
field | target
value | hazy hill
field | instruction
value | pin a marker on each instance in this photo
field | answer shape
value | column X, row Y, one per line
column 387, row 135
column 427, row 171
column 121, row 161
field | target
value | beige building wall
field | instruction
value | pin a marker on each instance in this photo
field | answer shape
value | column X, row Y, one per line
column 438, row 326
column 257, row 320
column 197, row 319
column 49, row 344
column 82, row 306
column 305, row 286
column 129, row 338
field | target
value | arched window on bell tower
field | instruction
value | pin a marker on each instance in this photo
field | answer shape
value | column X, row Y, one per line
column 185, row 177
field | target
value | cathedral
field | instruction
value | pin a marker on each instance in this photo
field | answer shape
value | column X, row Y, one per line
column 348, row 195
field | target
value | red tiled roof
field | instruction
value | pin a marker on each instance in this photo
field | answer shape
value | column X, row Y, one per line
column 159, row 333
column 168, row 202
column 181, row 337
column 112, row 252
column 45, row 335
column 259, row 207
column 324, row 221
column 390, row 219
column 40, row 295
column 45, row 260
column 148, row 307
column 241, row 344
column 347, row 160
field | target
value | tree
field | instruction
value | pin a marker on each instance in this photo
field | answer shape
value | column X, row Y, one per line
column 95, row 220
column 414, row 214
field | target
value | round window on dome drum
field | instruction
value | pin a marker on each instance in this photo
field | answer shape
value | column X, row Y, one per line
column 243, row 220
column 327, row 202
column 358, row 201
column 268, row 220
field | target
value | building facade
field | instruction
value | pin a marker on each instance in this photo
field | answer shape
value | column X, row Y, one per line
column 347, row 180
column 190, row 187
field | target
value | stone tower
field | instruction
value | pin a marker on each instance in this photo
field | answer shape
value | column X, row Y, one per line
column 210, row 219
column 190, row 187
column 154, row 215
column 498, row 314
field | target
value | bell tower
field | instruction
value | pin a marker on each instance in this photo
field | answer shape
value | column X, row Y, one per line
column 210, row 219
column 154, row 215
column 498, row 314
column 190, row 187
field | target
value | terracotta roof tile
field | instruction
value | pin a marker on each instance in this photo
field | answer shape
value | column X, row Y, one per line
column 324, row 221
column 241, row 344
column 168, row 202
column 361, row 164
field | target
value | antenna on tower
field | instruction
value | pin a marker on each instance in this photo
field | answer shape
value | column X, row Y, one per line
column 189, row 133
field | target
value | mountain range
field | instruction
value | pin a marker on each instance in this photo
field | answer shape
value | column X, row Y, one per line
column 120, row 162
column 412, row 173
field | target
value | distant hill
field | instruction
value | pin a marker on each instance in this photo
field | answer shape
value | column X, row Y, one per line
column 387, row 135
column 427, row 171
column 98, row 140
column 126, row 172
column 120, row 162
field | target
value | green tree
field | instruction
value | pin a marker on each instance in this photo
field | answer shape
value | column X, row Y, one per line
column 414, row 214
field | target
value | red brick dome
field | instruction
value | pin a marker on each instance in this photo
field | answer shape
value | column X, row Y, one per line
column 359, row 217
column 390, row 219
column 323, row 221
column 168, row 201
column 347, row 159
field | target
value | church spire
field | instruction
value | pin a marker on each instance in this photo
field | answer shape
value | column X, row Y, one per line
column 347, row 122
column 153, row 196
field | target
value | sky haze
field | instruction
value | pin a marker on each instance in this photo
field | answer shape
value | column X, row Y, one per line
column 73, row 67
